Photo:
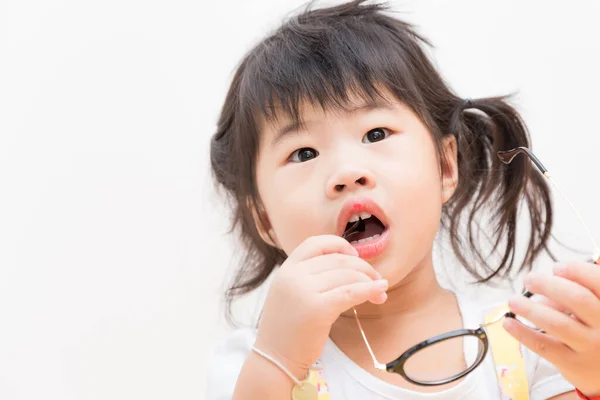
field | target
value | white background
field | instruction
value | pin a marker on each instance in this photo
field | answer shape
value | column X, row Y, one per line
column 113, row 245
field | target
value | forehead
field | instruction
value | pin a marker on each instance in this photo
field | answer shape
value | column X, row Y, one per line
column 284, row 120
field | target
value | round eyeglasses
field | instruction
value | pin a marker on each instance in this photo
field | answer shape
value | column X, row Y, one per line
column 411, row 364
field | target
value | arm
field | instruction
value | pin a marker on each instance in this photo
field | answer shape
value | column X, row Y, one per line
column 322, row 278
column 261, row 379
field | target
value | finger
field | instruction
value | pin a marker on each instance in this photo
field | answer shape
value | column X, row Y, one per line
column 542, row 344
column 320, row 245
column 571, row 295
column 348, row 296
column 550, row 303
column 567, row 330
column 338, row 261
column 585, row 274
column 331, row 279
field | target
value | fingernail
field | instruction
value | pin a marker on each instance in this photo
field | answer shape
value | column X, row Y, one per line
column 508, row 324
column 383, row 297
column 382, row 284
column 560, row 268
column 377, row 275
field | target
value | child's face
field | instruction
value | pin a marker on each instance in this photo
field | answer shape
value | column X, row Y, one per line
column 385, row 155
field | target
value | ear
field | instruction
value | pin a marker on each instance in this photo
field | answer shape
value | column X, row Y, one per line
column 449, row 167
column 262, row 224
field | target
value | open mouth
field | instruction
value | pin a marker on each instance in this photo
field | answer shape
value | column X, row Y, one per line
column 360, row 230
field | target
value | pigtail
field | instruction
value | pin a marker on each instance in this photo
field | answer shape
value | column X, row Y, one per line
column 482, row 128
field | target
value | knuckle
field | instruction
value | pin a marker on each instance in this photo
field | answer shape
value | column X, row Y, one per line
column 349, row 294
column 540, row 347
column 341, row 260
column 582, row 297
column 361, row 276
column 362, row 264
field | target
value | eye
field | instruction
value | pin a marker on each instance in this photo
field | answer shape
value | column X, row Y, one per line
column 375, row 135
column 303, row 154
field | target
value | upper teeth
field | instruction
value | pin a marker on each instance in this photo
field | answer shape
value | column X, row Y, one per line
column 362, row 215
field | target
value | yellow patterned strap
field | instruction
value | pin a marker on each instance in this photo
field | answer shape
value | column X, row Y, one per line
column 317, row 378
column 508, row 358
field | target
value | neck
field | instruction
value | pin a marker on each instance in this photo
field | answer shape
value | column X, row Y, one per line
column 403, row 320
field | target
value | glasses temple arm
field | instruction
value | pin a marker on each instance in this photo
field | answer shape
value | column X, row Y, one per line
column 507, row 156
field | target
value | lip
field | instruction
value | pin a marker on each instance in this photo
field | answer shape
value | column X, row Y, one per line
column 356, row 205
column 372, row 248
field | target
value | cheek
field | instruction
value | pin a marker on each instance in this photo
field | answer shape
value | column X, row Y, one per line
column 294, row 209
column 418, row 206
column 293, row 222
column 421, row 208
column 416, row 178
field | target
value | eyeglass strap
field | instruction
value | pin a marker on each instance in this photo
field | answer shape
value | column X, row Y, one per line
column 508, row 358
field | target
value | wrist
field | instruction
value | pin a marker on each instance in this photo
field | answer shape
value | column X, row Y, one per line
column 295, row 372
column 260, row 379
column 297, row 368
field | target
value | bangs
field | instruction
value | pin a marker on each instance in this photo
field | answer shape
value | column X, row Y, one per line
column 328, row 62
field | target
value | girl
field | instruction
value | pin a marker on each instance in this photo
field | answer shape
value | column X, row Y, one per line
column 343, row 152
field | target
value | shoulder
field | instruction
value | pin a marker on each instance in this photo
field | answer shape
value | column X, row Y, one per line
column 544, row 380
column 225, row 362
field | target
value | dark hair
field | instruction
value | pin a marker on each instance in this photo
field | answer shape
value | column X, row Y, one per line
column 324, row 55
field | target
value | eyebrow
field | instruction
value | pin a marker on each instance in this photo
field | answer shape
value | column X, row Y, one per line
column 295, row 126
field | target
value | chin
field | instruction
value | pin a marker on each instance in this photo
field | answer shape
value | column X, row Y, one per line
column 399, row 270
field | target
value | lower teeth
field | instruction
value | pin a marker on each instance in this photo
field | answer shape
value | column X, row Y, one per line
column 365, row 239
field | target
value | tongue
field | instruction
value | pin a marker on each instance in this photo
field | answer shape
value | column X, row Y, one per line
column 372, row 227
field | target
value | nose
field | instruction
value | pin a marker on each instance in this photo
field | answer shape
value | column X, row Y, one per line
column 348, row 180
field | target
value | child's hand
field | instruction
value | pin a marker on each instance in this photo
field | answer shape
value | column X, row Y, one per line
column 322, row 278
column 572, row 344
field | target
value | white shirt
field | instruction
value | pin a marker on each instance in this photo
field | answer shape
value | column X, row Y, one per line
column 348, row 381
